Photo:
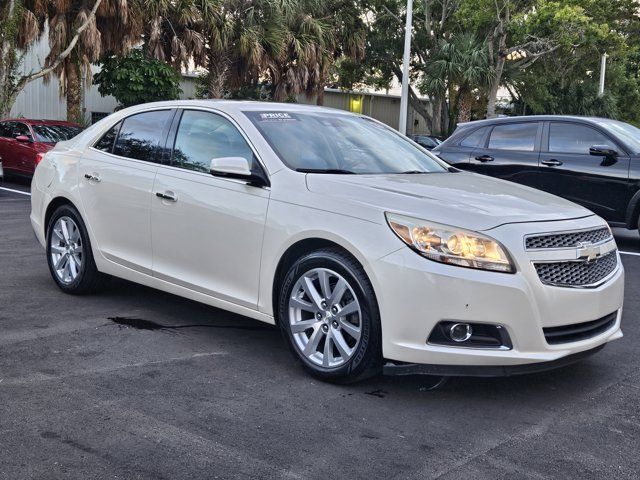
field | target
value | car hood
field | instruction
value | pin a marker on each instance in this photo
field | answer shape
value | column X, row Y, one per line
column 464, row 200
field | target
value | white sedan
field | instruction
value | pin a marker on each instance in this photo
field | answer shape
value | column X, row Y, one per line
column 367, row 251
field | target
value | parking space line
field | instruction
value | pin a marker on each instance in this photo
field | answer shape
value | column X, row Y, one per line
column 15, row 191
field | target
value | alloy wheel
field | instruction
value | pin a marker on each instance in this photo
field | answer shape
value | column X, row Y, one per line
column 66, row 249
column 325, row 318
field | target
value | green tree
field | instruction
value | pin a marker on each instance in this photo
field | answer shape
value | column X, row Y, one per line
column 135, row 79
column 457, row 68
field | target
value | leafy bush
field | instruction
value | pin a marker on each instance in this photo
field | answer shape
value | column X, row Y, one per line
column 135, row 79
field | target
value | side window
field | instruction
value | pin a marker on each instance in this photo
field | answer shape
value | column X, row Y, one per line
column 5, row 130
column 11, row 129
column 21, row 129
column 574, row 138
column 141, row 134
column 474, row 138
column 203, row 136
column 514, row 136
column 108, row 139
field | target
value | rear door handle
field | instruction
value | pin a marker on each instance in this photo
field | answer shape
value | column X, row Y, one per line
column 484, row 158
column 92, row 177
column 168, row 196
column 552, row 162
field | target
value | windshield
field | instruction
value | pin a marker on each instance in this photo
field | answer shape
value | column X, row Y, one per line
column 336, row 143
column 629, row 134
column 54, row 133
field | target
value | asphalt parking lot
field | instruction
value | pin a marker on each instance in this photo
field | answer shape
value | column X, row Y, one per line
column 83, row 395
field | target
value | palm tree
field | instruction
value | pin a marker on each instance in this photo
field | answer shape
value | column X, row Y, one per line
column 18, row 30
column 317, row 33
column 289, row 43
column 174, row 32
column 457, row 67
column 114, row 29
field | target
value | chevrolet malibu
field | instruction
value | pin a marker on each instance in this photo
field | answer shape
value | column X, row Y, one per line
column 369, row 253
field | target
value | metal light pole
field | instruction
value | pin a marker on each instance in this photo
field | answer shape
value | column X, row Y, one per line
column 404, row 98
column 603, row 68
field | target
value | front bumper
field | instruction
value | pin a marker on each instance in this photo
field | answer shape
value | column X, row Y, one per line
column 414, row 294
column 391, row 368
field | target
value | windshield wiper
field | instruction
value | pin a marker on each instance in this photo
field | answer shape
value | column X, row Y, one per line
column 413, row 172
column 325, row 170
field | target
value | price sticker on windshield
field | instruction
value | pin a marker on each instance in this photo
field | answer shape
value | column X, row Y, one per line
column 276, row 116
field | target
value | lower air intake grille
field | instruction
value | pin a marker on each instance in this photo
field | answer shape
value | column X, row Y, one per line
column 579, row 273
column 579, row 331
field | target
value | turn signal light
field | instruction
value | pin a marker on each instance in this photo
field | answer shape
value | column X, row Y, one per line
column 39, row 158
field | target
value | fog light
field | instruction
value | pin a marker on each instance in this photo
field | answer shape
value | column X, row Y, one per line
column 470, row 335
column 460, row 332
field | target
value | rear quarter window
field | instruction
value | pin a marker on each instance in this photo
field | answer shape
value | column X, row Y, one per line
column 108, row 139
column 474, row 138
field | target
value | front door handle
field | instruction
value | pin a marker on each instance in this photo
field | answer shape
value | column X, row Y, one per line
column 484, row 158
column 92, row 177
column 168, row 196
column 551, row 162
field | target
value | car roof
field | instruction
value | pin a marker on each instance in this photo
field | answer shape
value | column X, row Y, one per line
column 31, row 121
column 238, row 106
column 532, row 118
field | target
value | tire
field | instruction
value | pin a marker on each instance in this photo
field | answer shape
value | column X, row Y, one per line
column 69, row 251
column 334, row 332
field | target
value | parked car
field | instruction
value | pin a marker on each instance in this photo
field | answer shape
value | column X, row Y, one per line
column 427, row 141
column 591, row 161
column 364, row 249
column 23, row 142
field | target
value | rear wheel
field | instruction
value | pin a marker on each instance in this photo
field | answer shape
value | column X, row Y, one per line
column 69, row 253
column 329, row 316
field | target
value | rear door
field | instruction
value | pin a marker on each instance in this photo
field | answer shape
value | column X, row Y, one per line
column 568, row 170
column 511, row 152
column 116, row 178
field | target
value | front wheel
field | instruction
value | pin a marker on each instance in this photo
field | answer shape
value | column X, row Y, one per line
column 69, row 253
column 329, row 316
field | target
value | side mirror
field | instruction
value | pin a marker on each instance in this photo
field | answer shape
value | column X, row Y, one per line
column 23, row 139
column 603, row 151
column 239, row 168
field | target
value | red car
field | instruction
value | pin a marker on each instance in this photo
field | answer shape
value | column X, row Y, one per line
column 22, row 142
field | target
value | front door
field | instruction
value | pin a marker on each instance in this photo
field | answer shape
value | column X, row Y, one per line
column 511, row 152
column 116, row 178
column 16, row 156
column 569, row 171
column 207, row 231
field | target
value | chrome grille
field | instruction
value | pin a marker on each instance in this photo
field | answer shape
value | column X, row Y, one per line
column 579, row 331
column 579, row 273
column 567, row 240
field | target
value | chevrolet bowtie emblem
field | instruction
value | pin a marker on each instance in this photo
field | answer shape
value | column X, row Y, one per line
column 588, row 252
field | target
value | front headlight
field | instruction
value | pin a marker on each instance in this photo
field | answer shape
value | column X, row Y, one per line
column 455, row 246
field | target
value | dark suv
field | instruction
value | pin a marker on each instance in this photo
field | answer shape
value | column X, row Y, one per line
column 591, row 161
